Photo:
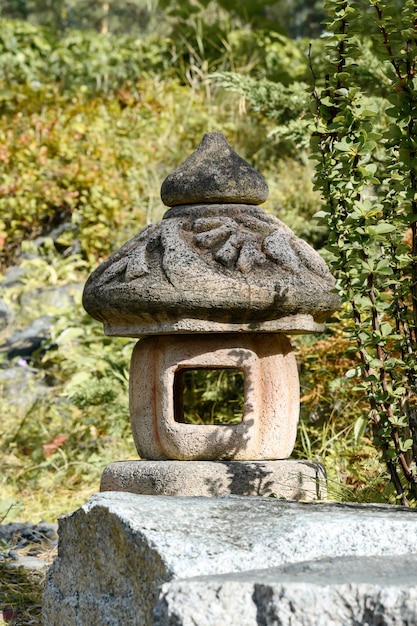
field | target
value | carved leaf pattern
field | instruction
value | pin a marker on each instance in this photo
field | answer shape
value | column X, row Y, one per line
column 249, row 256
column 241, row 243
column 137, row 264
column 277, row 247
column 247, row 242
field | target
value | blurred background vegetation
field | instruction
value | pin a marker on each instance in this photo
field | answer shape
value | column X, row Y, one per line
column 99, row 101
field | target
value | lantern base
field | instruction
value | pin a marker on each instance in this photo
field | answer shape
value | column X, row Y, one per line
column 289, row 479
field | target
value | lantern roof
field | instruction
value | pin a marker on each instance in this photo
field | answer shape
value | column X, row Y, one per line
column 216, row 262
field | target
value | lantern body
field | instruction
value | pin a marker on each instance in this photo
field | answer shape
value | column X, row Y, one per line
column 270, row 406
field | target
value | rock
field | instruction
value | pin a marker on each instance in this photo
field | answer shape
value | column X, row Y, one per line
column 23, row 343
column 28, row 545
column 52, row 298
column 37, row 533
column 20, row 386
column 30, row 563
column 5, row 315
column 345, row 591
column 290, row 479
column 117, row 550
column 68, row 230
column 13, row 276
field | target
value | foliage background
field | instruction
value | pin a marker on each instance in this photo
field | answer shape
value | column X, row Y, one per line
column 96, row 109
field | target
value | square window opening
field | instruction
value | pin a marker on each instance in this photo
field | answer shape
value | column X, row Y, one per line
column 205, row 396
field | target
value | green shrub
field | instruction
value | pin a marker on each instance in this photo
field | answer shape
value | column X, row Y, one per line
column 366, row 171
column 24, row 52
column 34, row 55
column 293, row 199
column 95, row 166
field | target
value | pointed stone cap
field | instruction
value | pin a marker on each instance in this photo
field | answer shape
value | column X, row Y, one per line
column 214, row 173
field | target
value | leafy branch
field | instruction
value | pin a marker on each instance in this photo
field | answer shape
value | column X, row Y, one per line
column 368, row 181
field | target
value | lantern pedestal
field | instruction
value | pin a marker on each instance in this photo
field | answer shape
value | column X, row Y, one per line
column 290, row 479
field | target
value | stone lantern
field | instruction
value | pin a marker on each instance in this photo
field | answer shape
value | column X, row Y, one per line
column 216, row 284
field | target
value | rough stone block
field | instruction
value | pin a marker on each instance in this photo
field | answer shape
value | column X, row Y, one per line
column 117, row 550
column 344, row 591
column 289, row 479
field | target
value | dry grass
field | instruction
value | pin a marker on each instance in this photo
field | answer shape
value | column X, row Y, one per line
column 20, row 595
column 21, row 588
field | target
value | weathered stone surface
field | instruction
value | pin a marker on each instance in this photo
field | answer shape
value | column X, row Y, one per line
column 21, row 339
column 346, row 591
column 224, row 264
column 214, row 173
column 291, row 324
column 290, row 479
column 116, row 551
column 13, row 276
column 271, row 397
column 214, row 263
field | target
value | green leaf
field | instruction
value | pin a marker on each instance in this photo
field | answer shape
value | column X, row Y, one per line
column 380, row 229
column 393, row 362
column 386, row 329
column 343, row 146
column 406, row 445
column 368, row 112
column 376, row 363
column 359, row 428
column 352, row 372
